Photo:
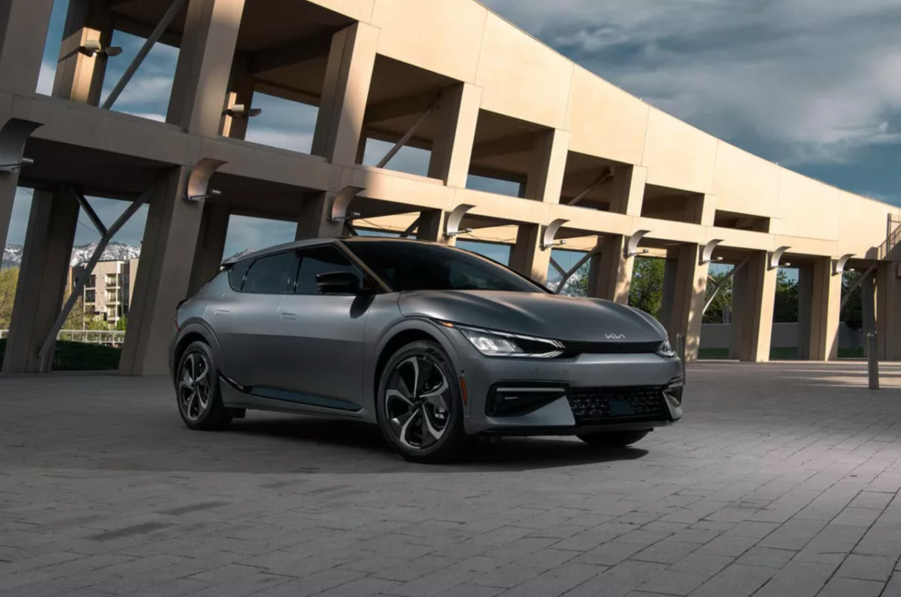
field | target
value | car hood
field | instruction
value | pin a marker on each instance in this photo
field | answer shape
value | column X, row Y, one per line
column 535, row 314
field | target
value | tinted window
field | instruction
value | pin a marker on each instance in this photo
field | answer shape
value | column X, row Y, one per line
column 413, row 266
column 270, row 275
column 320, row 260
column 236, row 274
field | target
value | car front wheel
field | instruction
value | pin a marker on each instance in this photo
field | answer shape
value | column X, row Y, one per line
column 197, row 385
column 419, row 404
column 612, row 439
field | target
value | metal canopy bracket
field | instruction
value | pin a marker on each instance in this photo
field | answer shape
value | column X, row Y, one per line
column 776, row 257
column 199, row 180
column 838, row 265
column 572, row 271
column 550, row 233
column 725, row 280
column 13, row 136
column 631, row 249
column 341, row 202
column 411, row 228
column 608, row 174
column 406, row 138
column 452, row 227
column 707, row 252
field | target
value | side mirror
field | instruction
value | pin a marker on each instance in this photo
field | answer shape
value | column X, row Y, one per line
column 340, row 283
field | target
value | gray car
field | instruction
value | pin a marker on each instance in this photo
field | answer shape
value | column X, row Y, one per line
column 432, row 343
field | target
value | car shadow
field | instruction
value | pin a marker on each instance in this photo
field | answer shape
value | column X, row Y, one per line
column 341, row 443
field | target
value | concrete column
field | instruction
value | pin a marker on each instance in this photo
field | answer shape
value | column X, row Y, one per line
column 825, row 312
column 805, row 311
column 204, row 65
column 313, row 219
column 170, row 239
column 458, row 114
column 753, row 298
column 628, row 190
column 888, row 310
column 610, row 272
column 683, row 300
column 345, row 93
column 23, row 32
column 526, row 257
column 431, row 226
column 545, row 182
column 240, row 93
column 42, row 278
column 210, row 244
column 80, row 77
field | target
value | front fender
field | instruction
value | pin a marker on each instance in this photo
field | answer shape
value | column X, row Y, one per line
column 384, row 341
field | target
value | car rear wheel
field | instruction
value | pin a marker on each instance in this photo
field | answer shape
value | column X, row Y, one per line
column 612, row 439
column 197, row 386
column 419, row 404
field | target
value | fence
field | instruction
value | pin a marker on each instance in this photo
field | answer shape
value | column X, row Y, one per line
column 102, row 337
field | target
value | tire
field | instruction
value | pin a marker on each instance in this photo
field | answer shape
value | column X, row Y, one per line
column 423, row 424
column 197, row 377
column 612, row 439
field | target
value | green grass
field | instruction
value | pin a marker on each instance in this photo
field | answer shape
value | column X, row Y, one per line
column 77, row 356
column 776, row 354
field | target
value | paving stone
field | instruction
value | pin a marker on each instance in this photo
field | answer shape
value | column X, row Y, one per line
column 851, row 587
column 766, row 556
column 798, row 579
column 665, row 552
column 736, row 580
column 867, row 567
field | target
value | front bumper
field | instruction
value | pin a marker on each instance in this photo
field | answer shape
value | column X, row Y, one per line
column 593, row 392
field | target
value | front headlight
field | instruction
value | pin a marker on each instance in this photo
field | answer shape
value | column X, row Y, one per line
column 666, row 350
column 502, row 344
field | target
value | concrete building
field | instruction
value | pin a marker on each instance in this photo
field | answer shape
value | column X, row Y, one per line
column 595, row 166
column 109, row 289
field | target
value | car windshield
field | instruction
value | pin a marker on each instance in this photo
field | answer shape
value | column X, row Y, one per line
column 406, row 266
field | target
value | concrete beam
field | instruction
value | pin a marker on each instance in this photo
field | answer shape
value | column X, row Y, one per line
column 527, row 257
column 276, row 58
column 398, row 108
column 80, row 77
column 458, row 115
column 610, row 273
column 825, row 312
column 888, row 311
column 210, row 244
column 548, row 164
column 753, row 298
column 505, row 146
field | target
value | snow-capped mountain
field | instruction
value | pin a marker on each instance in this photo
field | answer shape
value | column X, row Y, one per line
column 12, row 254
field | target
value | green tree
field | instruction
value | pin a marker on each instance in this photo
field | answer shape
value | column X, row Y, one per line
column 723, row 300
column 646, row 292
column 786, row 307
column 852, row 314
column 9, row 278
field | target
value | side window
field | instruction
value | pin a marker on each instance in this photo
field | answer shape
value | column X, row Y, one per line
column 236, row 274
column 270, row 275
column 321, row 260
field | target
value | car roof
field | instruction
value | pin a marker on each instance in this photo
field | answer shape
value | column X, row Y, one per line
column 318, row 241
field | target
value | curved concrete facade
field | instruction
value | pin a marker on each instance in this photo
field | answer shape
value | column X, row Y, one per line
column 618, row 176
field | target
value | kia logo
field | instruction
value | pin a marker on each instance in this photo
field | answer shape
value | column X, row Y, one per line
column 615, row 336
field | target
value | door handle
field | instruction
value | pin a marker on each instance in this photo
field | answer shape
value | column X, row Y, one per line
column 222, row 312
column 289, row 316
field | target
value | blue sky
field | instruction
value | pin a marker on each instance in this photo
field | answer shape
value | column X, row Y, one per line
column 811, row 84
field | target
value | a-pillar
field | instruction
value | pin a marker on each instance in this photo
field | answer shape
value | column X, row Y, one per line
column 240, row 94
column 210, row 243
column 204, row 65
column 888, row 311
column 42, row 279
column 819, row 309
column 685, row 287
column 458, row 113
column 753, row 300
column 610, row 271
column 527, row 257
column 23, row 33
column 170, row 237
column 79, row 77
column 339, row 125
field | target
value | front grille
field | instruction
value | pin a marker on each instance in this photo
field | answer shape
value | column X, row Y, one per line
column 611, row 347
column 608, row 405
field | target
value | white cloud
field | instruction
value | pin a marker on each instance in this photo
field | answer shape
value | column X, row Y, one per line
column 818, row 79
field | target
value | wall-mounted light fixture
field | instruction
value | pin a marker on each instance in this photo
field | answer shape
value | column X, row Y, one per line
column 93, row 47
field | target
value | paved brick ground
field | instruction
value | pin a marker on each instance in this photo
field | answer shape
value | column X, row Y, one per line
column 782, row 481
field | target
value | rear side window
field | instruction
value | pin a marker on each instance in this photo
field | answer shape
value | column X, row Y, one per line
column 321, row 260
column 270, row 275
column 236, row 274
